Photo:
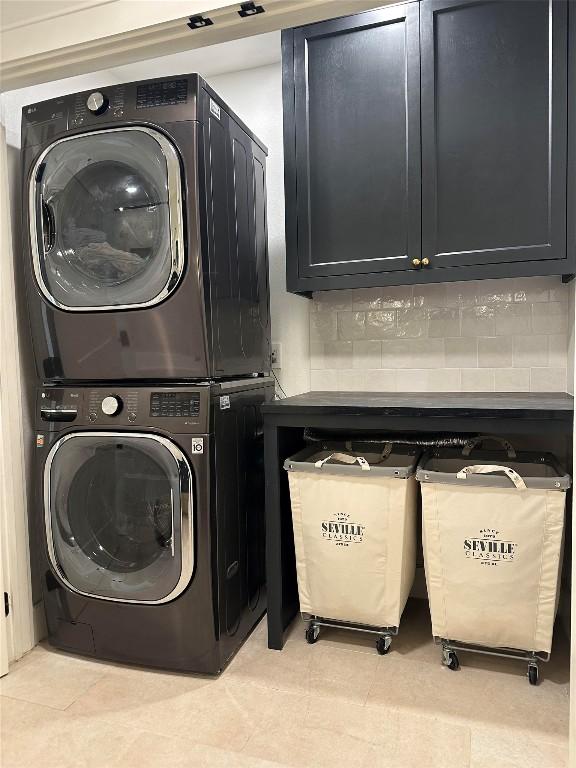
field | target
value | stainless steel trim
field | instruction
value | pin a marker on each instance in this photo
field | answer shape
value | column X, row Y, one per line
column 175, row 217
column 373, row 630
column 506, row 653
column 186, row 513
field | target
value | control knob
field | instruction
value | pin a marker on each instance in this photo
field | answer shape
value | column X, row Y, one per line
column 97, row 103
column 111, row 405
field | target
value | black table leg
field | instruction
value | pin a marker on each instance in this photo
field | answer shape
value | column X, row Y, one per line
column 282, row 588
column 273, row 539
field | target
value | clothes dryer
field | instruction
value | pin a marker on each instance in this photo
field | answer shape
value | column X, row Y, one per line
column 145, row 241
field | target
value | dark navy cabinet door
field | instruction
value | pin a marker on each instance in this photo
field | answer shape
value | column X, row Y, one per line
column 494, row 133
column 352, row 144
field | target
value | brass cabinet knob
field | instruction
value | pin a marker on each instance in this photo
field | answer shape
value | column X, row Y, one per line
column 416, row 262
column 425, row 262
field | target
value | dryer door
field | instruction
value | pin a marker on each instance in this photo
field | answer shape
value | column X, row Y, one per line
column 118, row 514
column 105, row 213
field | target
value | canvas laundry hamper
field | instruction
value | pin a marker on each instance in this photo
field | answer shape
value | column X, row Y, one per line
column 354, row 518
column 493, row 526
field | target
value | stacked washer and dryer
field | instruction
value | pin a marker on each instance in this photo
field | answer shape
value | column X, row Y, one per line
column 147, row 277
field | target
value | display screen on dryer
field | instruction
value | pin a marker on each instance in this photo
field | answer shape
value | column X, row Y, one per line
column 161, row 94
column 174, row 404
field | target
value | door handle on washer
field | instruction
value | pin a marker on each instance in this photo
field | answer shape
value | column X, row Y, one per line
column 172, row 536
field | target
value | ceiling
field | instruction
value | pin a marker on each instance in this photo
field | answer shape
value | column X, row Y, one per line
column 232, row 56
column 47, row 40
column 20, row 13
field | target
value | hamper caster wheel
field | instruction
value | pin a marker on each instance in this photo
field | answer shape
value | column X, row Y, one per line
column 451, row 661
column 533, row 674
column 383, row 645
column 312, row 633
column 454, row 663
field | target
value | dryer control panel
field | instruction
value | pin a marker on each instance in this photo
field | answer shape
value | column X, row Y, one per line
column 161, row 101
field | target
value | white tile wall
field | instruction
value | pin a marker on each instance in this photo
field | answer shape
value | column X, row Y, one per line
column 485, row 335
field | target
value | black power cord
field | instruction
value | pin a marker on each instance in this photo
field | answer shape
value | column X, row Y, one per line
column 279, row 386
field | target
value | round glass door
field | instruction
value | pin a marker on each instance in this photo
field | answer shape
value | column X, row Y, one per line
column 106, row 214
column 119, row 515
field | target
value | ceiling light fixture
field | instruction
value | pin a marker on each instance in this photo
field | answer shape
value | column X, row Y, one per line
column 249, row 9
column 198, row 22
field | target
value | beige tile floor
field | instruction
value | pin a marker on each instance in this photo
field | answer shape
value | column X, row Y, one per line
column 336, row 703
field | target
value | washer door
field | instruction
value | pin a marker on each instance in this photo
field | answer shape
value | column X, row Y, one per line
column 118, row 513
column 106, row 220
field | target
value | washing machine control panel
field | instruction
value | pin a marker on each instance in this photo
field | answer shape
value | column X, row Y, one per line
column 176, row 404
column 175, row 409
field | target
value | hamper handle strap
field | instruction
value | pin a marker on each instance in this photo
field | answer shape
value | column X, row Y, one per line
column 345, row 458
column 487, row 469
column 386, row 451
column 476, row 441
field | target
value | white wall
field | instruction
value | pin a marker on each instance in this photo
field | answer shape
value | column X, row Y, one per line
column 17, row 631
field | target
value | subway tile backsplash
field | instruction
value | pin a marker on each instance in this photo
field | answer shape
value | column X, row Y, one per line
column 485, row 335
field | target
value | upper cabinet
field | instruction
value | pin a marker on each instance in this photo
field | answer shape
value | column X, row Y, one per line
column 494, row 104
column 355, row 141
column 427, row 142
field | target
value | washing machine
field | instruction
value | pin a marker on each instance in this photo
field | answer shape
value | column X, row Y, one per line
column 145, row 242
column 148, row 529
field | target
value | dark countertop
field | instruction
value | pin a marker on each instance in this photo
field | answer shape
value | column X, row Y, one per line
column 554, row 405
